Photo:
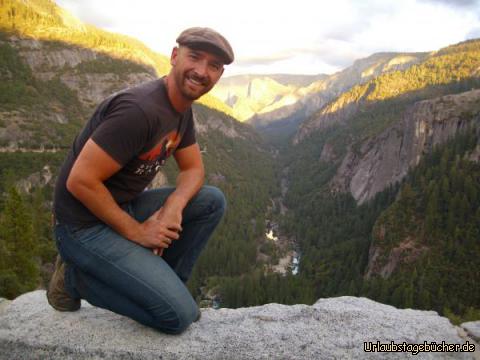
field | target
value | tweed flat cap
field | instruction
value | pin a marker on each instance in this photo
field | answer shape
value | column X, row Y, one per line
column 209, row 40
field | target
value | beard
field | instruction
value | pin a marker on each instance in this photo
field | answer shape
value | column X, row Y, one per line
column 191, row 85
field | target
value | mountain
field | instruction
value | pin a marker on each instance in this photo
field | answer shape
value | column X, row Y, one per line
column 387, row 115
column 54, row 70
column 273, row 102
column 248, row 95
column 383, row 184
column 284, row 121
column 439, row 73
column 41, row 23
column 386, row 158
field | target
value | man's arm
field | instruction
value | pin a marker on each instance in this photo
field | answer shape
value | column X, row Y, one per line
column 189, row 181
column 85, row 182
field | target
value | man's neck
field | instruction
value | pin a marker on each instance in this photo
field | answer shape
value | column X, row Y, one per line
column 178, row 102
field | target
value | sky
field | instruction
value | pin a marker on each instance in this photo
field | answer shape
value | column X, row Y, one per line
column 294, row 37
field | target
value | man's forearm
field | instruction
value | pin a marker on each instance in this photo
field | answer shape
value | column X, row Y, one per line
column 188, row 184
column 97, row 198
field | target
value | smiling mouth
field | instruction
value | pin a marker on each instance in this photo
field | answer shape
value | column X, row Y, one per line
column 196, row 81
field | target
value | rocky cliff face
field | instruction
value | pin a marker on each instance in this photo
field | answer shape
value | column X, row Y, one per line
column 386, row 159
column 228, row 126
column 340, row 328
column 45, row 60
column 77, row 79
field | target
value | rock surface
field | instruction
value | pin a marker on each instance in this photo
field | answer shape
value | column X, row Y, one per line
column 331, row 328
column 473, row 329
column 387, row 158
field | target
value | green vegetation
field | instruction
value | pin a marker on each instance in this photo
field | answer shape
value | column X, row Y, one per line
column 106, row 65
column 44, row 20
column 377, row 104
column 17, row 87
column 438, row 210
column 19, row 271
column 31, row 101
column 335, row 235
column 243, row 169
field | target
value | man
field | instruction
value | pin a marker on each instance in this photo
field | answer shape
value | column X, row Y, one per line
column 125, row 249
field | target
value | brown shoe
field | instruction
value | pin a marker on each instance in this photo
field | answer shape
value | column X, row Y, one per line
column 57, row 296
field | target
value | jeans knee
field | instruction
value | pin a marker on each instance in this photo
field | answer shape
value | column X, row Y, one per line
column 215, row 197
column 184, row 318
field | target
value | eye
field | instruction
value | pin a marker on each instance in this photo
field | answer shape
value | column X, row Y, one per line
column 215, row 66
column 194, row 56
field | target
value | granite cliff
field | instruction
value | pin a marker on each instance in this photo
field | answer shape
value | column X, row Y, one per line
column 386, row 159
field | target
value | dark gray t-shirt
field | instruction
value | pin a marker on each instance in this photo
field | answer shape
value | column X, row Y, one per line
column 140, row 129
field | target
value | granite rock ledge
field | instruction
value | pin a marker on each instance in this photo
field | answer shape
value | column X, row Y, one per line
column 331, row 328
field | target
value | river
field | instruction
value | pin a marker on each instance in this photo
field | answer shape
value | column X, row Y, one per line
column 286, row 246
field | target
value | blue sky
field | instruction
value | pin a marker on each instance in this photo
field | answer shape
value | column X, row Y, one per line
column 301, row 36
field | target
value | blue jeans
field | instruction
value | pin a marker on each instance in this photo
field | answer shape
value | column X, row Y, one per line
column 122, row 276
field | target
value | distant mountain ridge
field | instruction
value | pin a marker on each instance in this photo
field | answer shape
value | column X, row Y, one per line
column 249, row 95
column 284, row 79
column 265, row 100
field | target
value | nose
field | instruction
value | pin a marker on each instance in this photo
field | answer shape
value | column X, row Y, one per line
column 201, row 68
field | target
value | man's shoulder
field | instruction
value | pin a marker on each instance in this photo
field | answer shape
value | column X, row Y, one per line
column 143, row 91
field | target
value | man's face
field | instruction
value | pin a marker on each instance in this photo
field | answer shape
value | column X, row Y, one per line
column 195, row 71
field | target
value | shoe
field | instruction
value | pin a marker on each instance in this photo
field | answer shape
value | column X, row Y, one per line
column 57, row 296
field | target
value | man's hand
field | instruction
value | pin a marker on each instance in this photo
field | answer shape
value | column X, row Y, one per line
column 158, row 231
column 170, row 216
column 158, row 251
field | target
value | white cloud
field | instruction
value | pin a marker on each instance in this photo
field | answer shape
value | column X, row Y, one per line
column 302, row 37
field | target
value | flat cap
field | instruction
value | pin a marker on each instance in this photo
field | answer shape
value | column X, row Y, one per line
column 208, row 40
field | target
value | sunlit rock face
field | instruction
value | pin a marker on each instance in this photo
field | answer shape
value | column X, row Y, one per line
column 334, row 328
column 248, row 96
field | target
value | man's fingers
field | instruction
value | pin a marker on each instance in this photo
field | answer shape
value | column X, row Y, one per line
column 175, row 227
column 158, row 251
column 171, row 234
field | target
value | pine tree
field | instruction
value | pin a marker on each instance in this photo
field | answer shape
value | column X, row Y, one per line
column 19, row 262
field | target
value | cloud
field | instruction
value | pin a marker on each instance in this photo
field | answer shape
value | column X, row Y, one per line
column 88, row 12
column 455, row 3
column 474, row 33
column 264, row 60
column 305, row 37
column 331, row 54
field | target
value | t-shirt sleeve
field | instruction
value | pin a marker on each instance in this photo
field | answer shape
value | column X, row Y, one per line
column 188, row 137
column 123, row 132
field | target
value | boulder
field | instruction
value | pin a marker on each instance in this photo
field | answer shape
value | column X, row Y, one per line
column 473, row 329
column 334, row 328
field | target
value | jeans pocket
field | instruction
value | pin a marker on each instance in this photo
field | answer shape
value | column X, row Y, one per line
column 84, row 234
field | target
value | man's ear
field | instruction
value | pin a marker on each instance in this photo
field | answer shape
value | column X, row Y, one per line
column 173, row 57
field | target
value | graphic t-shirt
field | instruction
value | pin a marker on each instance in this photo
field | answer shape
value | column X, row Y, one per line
column 140, row 129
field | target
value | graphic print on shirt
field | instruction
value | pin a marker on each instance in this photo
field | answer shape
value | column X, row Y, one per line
column 156, row 157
